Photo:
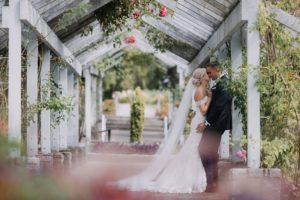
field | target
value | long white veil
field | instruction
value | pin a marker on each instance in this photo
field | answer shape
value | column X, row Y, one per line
column 166, row 149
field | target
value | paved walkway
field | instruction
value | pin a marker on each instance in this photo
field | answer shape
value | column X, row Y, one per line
column 110, row 167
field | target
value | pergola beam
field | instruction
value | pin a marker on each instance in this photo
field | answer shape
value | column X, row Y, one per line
column 235, row 20
column 167, row 57
column 175, row 32
column 32, row 18
column 285, row 18
column 77, row 44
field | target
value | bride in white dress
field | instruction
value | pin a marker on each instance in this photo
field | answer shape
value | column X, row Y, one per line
column 182, row 172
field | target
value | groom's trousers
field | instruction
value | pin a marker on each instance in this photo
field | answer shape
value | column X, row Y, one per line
column 208, row 151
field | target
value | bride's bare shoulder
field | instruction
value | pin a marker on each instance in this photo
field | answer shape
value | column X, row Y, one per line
column 199, row 94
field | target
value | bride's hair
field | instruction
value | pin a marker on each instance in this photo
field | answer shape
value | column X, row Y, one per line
column 197, row 76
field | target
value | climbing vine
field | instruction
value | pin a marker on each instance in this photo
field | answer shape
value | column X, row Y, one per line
column 279, row 86
column 52, row 100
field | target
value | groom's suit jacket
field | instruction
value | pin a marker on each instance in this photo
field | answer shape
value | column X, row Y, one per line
column 219, row 113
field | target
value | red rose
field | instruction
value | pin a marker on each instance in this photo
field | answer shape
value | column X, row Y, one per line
column 136, row 14
column 163, row 12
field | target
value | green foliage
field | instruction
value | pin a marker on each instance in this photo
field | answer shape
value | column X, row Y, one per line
column 293, row 7
column 135, row 69
column 158, row 39
column 275, row 152
column 279, row 86
column 72, row 15
column 51, row 100
column 114, row 16
column 137, row 117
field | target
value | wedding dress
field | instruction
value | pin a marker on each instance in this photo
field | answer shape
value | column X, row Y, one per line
column 179, row 173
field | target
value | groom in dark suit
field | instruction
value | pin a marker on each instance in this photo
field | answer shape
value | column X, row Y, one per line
column 218, row 120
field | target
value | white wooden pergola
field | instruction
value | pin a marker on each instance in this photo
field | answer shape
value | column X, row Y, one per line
column 203, row 24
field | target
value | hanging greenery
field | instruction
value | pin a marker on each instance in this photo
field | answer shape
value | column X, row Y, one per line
column 115, row 15
column 120, row 16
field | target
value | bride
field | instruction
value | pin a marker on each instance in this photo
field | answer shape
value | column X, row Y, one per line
column 183, row 172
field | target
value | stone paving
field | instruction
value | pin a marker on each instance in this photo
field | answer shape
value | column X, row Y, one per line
column 249, row 185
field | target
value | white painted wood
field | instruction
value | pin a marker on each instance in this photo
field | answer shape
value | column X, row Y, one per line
column 94, row 103
column 187, row 24
column 100, row 93
column 78, row 43
column 71, row 128
column 88, row 99
column 224, row 146
column 45, row 114
column 174, row 32
column 208, row 8
column 103, row 49
column 237, row 126
column 253, row 97
column 103, row 128
column 14, row 74
column 32, row 92
column 99, row 50
column 55, row 130
column 193, row 14
column 75, row 113
column 234, row 21
column 285, row 18
column 63, row 127
column 180, row 72
column 170, row 105
column 32, row 18
column 5, row 17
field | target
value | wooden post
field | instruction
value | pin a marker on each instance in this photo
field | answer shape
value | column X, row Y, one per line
column 88, row 97
column 103, row 128
column 63, row 80
column 237, row 126
column 76, row 112
column 55, row 131
column 71, row 128
column 45, row 114
column 94, row 100
column 253, row 97
column 14, row 75
column 32, row 93
column 100, row 93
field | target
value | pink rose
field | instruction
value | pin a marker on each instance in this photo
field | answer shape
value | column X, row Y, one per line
column 163, row 12
column 242, row 154
column 129, row 39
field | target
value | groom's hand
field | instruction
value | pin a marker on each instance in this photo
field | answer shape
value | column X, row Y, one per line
column 200, row 128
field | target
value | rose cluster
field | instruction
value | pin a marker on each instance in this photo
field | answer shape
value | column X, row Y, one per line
column 130, row 39
column 163, row 12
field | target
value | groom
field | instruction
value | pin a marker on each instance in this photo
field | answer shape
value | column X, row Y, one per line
column 218, row 120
